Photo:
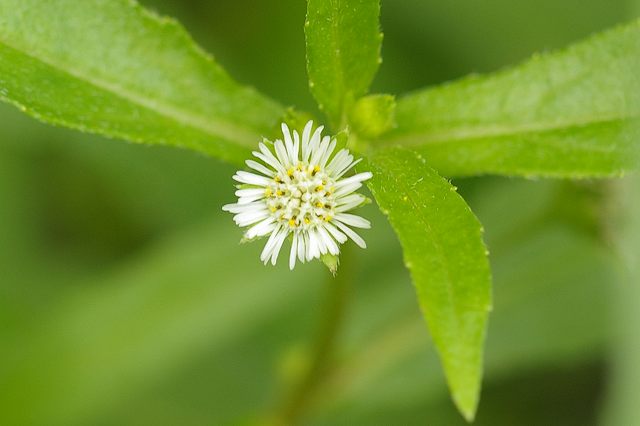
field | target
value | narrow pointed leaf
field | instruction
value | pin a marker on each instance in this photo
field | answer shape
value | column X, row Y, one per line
column 564, row 114
column 116, row 69
column 444, row 251
column 343, row 51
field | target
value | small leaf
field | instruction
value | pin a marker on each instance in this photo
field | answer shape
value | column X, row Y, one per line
column 343, row 52
column 443, row 249
column 564, row 114
column 113, row 68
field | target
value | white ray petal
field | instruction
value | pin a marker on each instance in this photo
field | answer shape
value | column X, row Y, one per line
column 294, row 251
column 250, row 178
column 268, row 247
column 278, row 245
column 346, row 190
column 306, row 133
column 360, row 177
column 351, row 234
column 329, row 242
column 288, row 143
column 348, row 167
column 327, row 153
column 353, row 220
column 319, row 152
column 335, row 233
column 272, row 160
column 281, row 153
column 240, row 208
column 262, row 228
column 250, row 199
column 260, row 168
column 313, row 143
column 302, row 244
column 296, row 147
column 250, row 217
column 250, row 192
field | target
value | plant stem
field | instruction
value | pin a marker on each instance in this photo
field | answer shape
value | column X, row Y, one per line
column 332, row 318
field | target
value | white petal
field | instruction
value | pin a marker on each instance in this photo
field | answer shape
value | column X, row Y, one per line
column 296, row 146
column 339, row 161
column 288, row 143
column 302, row 254
column 350, row 198
column 319, row 152
column 335, row 233
column 281, row 152
column 353, row 220
column 313, row 144
column 278, row 245
column 262, row 228
column 240, row 208
column 349, row 202
column 355, row 237
column 328, row 152
column 343, row 191
column 313, row 248
column 260, row 168
column 246, row 196
column 268, row 247
column 250, row 217
column 249, row 192
column 294, row 252
column 329, row 242
column 251, row 178
column 349, row 166
column 360, row 177
column 321, row 243
column 306, row 133
column 269, row 158
column 250, row 199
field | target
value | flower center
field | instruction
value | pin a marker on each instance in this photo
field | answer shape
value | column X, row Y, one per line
column 301, row 198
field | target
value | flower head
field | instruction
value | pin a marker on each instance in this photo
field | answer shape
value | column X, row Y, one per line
column 300, row 191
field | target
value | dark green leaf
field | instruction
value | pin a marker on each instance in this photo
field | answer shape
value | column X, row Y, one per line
column 343, row 52
column 443, row 249
column 113, row 68
column 564, row 114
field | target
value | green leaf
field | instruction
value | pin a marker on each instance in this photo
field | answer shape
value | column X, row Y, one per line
column 343, row 52
column 443, row 249
column 564, row 114
column 115, row 69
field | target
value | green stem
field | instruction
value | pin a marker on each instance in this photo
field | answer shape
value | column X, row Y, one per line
column 333, row 313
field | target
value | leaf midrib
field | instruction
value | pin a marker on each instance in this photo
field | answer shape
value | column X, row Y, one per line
column 441, row 256
column 211, row 126
column 335, row 31
column 480, row 132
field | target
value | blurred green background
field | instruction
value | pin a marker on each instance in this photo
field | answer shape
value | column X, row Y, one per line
column 125, row 298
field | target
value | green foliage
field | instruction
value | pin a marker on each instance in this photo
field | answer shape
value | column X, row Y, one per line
column 443, row 249
column 565, row 114
column 343, row 52
column 115, row 69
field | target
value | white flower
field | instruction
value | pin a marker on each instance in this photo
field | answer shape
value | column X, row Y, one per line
column 300, row 191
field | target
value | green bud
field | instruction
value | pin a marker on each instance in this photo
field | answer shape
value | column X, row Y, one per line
column 332, row 262
column 373, row 115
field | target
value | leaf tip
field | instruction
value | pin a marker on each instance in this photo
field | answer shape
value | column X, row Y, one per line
column 467, row 406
